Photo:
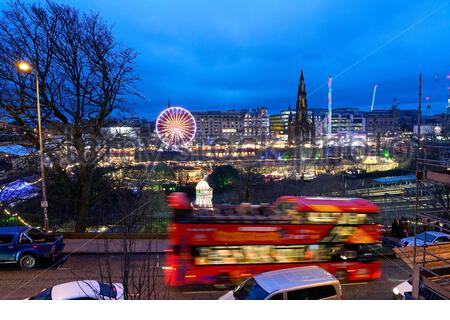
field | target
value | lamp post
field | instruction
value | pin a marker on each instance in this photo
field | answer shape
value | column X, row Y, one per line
column 26, row 67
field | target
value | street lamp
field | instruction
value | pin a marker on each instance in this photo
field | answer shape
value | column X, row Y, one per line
column 25, row 67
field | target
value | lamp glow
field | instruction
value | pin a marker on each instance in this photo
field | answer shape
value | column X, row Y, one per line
column 24, row 66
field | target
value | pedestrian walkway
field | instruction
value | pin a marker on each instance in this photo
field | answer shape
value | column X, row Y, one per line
column 100, row 246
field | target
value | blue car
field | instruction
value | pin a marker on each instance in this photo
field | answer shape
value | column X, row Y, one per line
column 29, row 247
column 429, row 237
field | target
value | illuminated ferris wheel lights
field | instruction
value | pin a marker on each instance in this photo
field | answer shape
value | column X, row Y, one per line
column 176, row 126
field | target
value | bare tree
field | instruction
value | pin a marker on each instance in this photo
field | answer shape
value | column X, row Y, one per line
column 84, row 76
column 128, row 257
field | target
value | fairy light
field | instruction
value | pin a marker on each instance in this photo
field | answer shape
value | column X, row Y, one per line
column 17, row 216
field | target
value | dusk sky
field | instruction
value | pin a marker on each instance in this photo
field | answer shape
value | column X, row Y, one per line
column 217, row 55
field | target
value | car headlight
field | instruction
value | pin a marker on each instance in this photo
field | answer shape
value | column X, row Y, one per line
column 396, row 292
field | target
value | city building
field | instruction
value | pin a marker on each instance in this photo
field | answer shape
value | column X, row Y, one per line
column 407, row 120
column 256, row 123
column 446, row 114
column 133, row 127
column 232, row 125
column 218, row 124
column 383, row 123
column 345, row 122
column 279, row 124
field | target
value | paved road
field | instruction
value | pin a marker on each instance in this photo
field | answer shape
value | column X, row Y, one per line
column 17, row 284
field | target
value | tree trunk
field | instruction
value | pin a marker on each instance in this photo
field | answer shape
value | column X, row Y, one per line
column 84, row 197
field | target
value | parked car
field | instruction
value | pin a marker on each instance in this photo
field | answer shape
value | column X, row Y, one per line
column 432, row 237
column 400, row 290
column 403, row 291
column 29, row 247
column 82, row 290
column 303, row 283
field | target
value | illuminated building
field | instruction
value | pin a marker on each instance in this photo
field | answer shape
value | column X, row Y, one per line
column 381, row 123
column 346, row 122
column 279, row 124
column 218, row 124
column 256, row 123
column 232, row 125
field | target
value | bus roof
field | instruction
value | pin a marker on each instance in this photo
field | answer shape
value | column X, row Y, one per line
column 323, row 204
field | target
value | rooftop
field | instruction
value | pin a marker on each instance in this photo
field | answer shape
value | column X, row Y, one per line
column 293, row 277
column 411, row 177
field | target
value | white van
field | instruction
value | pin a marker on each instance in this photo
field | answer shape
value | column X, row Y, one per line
column 304, row 283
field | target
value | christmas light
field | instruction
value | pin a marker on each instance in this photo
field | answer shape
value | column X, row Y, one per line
column 15, row 215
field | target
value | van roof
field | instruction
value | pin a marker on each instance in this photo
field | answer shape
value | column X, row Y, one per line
column 293, row 277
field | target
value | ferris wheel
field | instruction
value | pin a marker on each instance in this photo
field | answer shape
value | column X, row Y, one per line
column 176, row 127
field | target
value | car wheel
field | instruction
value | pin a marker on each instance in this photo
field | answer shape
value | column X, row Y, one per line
column 223, row 282
column 341, row 275
column 28, row 262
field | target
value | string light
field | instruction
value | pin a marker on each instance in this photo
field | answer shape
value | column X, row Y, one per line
column 7, row 212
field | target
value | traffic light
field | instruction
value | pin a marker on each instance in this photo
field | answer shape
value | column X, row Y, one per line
column 386, row 153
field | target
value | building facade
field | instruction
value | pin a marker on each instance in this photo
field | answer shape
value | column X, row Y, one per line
column 345, row 122
column 280, row 124
column 218, row 124
column 232, row 125
column 383, row 123
column 256, row 124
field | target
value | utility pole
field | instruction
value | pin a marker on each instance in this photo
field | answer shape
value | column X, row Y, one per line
column 416, row 266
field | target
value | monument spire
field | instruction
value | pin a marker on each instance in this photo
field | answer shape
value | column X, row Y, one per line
column 301, row 125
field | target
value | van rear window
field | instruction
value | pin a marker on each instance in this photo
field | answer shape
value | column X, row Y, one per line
column 315, row 293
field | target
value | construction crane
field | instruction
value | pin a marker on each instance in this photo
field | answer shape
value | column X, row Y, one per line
column 373, row 97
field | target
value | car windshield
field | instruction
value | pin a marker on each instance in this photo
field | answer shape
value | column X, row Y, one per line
column 430, row 238
column 45, row 294
column 250, row 290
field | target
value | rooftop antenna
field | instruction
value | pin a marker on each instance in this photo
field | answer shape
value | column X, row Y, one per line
column 373, row 97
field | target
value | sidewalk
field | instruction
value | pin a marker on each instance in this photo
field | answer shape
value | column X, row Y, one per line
column 114, row 245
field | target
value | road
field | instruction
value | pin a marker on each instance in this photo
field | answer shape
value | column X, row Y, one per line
column 17, row 284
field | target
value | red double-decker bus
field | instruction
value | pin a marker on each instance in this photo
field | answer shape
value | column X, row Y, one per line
column 226, row 245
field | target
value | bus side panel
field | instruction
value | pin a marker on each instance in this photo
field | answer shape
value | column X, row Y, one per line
column 356, row 271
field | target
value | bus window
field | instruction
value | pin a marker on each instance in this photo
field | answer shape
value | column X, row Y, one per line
column 323, row 217
column 286, row 207
column 288, row 253
column 262, row 254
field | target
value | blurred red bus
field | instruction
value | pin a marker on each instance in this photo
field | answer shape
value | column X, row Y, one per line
column 225, row 246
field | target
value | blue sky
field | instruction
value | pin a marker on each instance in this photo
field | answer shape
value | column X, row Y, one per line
column 237, row 54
